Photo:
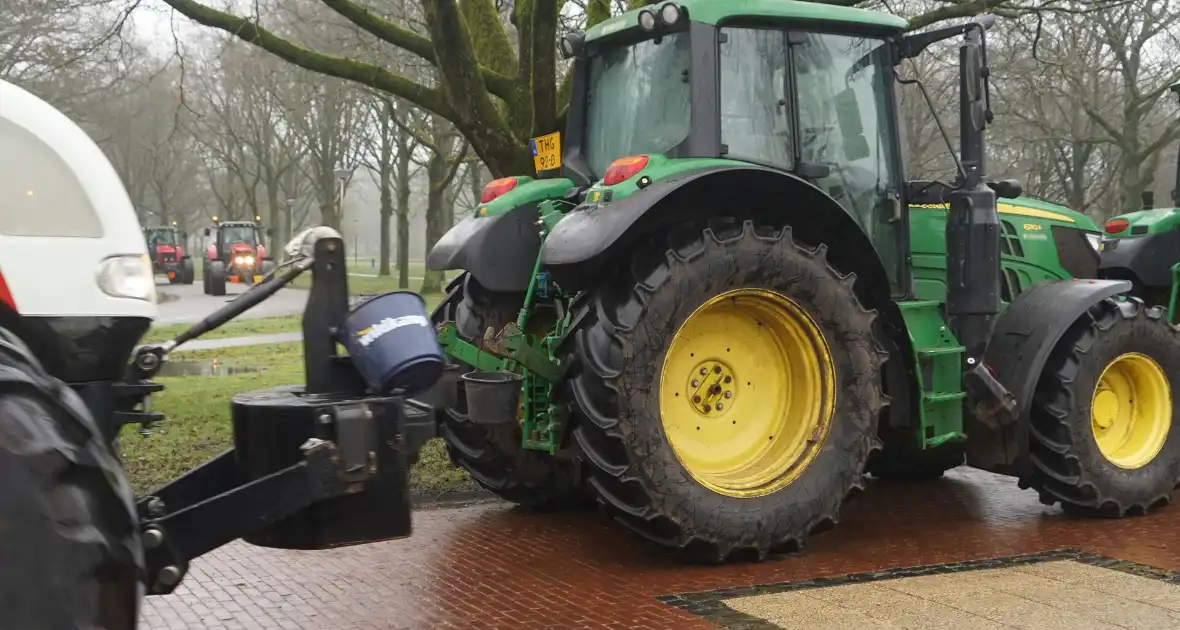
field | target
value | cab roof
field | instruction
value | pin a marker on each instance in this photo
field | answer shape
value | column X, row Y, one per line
column 714, row 11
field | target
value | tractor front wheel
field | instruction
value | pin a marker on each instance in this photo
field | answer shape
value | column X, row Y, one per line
column 217, row 278
column 493, row 456
column 1104, row 437
column 187, row 271
column 730, row 387
column 70, row 548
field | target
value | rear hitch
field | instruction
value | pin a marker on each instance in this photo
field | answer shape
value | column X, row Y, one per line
column 988, row 400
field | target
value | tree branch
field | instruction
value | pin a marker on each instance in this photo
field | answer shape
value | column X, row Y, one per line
column 350, row 69
column 498, row 83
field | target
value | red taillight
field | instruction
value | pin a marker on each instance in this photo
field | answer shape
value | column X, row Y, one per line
column 497, row 187
column 5, row 294
column 1114, row 226
column 623, row 169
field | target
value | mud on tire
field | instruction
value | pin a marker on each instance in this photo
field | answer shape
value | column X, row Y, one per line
column 634, row 470
column 70, row 547
column 1067, row 465
column 494, row 457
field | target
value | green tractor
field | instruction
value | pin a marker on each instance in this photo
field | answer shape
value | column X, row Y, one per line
column 1144, row 246
column 721, row 303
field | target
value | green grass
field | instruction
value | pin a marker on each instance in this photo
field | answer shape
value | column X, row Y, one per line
column 198, row 421
column 237, row 328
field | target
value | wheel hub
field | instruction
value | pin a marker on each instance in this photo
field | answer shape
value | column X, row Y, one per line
column 712, row 388
column 1131, row 410
column 1106, row 408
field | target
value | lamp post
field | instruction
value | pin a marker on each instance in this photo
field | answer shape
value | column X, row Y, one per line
column 290, row 218
column 341, row 177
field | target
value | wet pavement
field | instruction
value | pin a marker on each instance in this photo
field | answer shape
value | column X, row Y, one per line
column 188, row 303
column 970, row 550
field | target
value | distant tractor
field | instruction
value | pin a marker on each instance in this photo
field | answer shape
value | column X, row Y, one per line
column 168, row 248
column 721, row 303
column 1144, row 246
column 235, row 254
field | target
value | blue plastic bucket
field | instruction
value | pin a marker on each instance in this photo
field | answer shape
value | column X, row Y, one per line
column 392, row 343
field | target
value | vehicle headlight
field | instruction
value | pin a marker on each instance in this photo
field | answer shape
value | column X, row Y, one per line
column 238, row 260
column 248, row 260
column 127, row 277
column 1095, row 241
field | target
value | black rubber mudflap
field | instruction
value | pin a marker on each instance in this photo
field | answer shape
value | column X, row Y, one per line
column 70, row 555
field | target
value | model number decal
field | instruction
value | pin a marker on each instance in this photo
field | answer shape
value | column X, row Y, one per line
column 1033, row 227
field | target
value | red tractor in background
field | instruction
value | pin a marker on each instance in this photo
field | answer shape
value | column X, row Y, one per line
column 235, row 254
column 168, row 248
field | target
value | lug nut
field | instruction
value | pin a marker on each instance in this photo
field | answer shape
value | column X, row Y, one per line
column 696, row 399
column 728, row 379
column 152, row 537
column 720, row 406
column 708, row 409
column 704, row 371
column 729, row 394
column 716, row 369
column 169, row 575
column 696, row 383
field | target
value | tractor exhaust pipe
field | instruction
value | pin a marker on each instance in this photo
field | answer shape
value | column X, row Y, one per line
column 1148, row 198
column 973, row 223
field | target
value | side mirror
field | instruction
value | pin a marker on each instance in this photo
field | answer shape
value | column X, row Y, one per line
column 974, row 87
column 208, row 232
column 1007, row 189
column 922, row 192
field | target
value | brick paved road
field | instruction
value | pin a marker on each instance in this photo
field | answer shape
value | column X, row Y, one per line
column 493, row 566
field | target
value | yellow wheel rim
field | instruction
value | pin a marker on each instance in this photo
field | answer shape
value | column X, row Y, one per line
column 1131, row 411
column 747, row 392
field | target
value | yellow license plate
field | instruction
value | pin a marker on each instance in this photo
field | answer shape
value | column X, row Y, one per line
column 546, row 152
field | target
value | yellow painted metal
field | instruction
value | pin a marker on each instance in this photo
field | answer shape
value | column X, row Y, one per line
column 1131, row 410
column 747, row 392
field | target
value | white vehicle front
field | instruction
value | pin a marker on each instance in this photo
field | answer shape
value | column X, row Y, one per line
column 75, row 280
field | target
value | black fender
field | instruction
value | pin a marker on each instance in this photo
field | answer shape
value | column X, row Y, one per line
column 589, row 231
column 1021, row 341
column 498, row 251
column 1146, row 260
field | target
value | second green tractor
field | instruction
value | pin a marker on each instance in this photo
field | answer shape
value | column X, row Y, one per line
column 720, row 303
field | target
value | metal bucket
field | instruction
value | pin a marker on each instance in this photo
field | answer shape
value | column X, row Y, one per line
column 392, row 344
column 493, row 398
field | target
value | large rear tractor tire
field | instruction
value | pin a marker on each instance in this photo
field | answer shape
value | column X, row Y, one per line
column 217, row 278
column 730, row 388
column 69, row 547
column 493, row 456
column 1104, row 437
column 205, row 286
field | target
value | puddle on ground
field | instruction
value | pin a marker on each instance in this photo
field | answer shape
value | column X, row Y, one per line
column 205, row 368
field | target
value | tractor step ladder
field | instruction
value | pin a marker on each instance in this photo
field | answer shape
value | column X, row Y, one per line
column 938, row 363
